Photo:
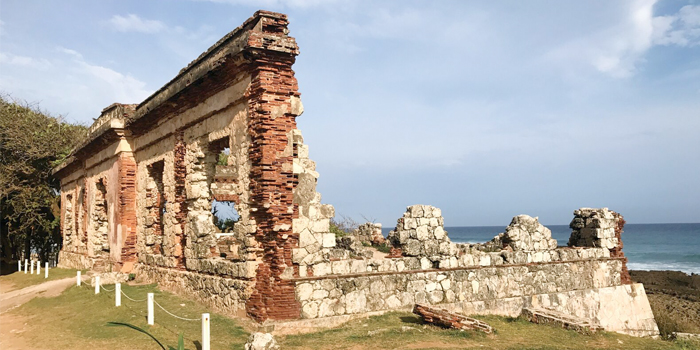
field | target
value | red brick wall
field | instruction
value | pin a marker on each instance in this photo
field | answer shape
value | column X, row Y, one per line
column 126, row 215
column 180, row 169
column 273, row 84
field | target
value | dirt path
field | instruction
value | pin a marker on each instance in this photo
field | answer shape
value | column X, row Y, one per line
column 13, row 299
column 12, row 325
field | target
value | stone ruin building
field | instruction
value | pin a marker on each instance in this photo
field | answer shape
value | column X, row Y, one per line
column 137, row 198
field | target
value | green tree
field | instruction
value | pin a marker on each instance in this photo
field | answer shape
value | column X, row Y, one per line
column 31, row 144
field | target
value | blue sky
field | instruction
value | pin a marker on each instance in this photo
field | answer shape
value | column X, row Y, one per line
column 485, row 109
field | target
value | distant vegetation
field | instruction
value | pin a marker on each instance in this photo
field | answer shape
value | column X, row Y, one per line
column 343, row 226
column 32, row 142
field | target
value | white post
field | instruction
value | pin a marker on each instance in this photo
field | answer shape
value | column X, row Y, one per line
column 97, row 284
column 19, row 265
column 31, row 271
column 118, row 294
column 150, row 309
column 46, row 270
column 26, row 265
column 38, row 267
column 77, row 279
column 205, row 332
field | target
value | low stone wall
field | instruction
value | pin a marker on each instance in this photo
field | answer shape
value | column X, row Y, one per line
column 360, row 293
column 225, row 295
column 623, row 308
column 468, row 257
column 70, row 260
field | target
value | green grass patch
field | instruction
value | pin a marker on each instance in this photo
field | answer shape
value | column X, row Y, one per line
column 399, row 330
column 79, row 319
column 18, row 280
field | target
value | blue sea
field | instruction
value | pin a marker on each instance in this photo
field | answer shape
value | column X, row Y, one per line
column 647, row 246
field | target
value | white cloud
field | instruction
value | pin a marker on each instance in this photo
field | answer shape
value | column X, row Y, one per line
column 619, row 53
column 682, row 29
column 618, row 49
column 24, row 61
column 120, row 87
column 124, row 88
column 70, row 52
column 66, row 83
column 134, row 23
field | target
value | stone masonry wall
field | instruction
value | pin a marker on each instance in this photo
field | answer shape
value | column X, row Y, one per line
column 600, row 228
column 223, row 293
column 341, row 295
column 420, row 233
column 524, row 233
column 593, row 228
column 316, row 242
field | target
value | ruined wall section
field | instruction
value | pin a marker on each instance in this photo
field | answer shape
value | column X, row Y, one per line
column 272, row 181
column 184, row 146
column 354, row 294
column 101, row 187
column 316, row 242
column 599, row 228
column 157, row 226
column 95, row 231
column 187, row 145
column 231, row 184
column 420, row 233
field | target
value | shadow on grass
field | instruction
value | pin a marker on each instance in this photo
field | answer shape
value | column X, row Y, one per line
column 137, row 329
column 411, row 319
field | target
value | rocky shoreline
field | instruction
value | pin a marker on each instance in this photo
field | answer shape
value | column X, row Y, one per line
column 674, row 298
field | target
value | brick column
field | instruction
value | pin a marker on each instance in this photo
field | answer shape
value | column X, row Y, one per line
column 126, row 215
column 272, row 182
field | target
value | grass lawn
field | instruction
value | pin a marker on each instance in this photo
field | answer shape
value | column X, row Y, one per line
column 79, row 319
column 19, row 280
column 398, row 330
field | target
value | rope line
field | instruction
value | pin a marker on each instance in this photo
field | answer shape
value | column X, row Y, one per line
column 134, row 300
column 176, row 316
column 105, row 289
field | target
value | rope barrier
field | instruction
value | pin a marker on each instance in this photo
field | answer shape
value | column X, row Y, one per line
column 105, row 289
column 134, row 300
column 176, row 316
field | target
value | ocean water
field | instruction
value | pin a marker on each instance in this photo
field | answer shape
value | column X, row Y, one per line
column 647, row 246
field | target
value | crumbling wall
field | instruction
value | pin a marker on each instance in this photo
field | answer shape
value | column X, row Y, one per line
column 420, row 233
column 69, row 234
column 99, row 241
column 593, row 228
column 370, row 233
column 360, row 293
column 599, row 228
column 188, row 146
column 524, row 233
column 316, row 242
column 82, row 218
column 520, row 267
